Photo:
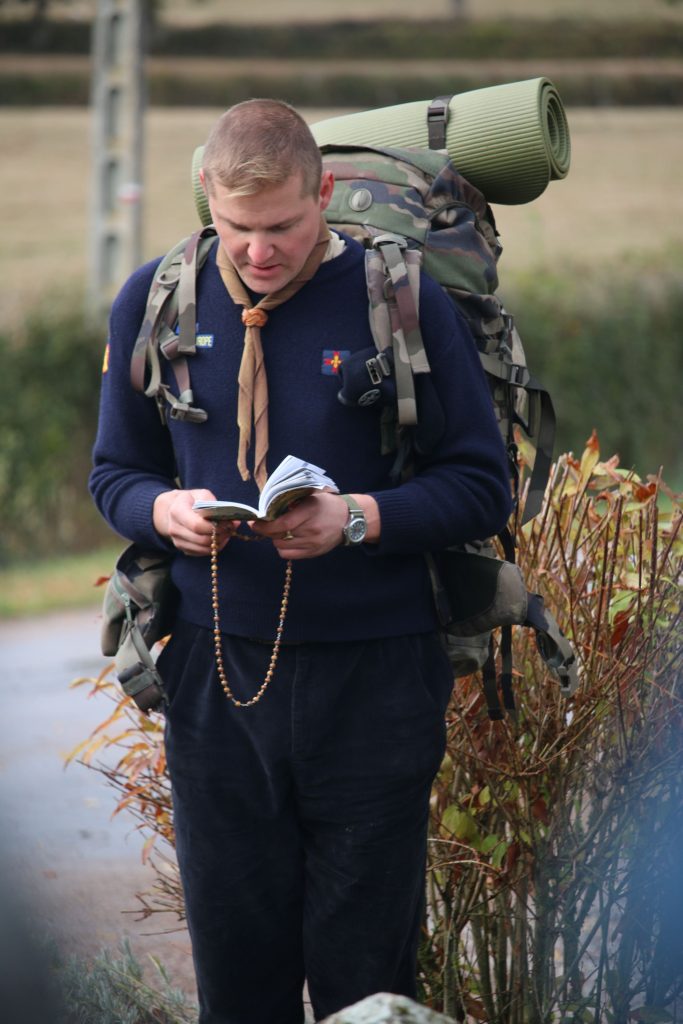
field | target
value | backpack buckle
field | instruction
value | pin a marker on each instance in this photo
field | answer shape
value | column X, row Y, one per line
column 389, row 239
column 378, row 367
column 518, row 375
column 437, row 119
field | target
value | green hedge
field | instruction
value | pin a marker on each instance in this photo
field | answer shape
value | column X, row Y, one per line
column 509, row 38
column 513, row 39
column 358, row 89
column 611, row 356
column 368, row 46
column 609, row 350
column 47, row 425
column 351, row 89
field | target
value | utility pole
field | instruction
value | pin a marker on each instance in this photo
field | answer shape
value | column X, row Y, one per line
column 117, row 149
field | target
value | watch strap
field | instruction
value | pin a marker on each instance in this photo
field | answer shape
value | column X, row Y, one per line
column 354, row 507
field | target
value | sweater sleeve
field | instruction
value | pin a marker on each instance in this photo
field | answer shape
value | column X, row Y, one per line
column 133, row 458
column 461, row 490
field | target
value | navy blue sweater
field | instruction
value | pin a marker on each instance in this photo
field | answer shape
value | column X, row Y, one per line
column 460, row 493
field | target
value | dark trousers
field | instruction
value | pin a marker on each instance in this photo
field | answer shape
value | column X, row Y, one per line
column 301, row 822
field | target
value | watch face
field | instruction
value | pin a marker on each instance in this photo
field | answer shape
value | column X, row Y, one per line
column 355, row 531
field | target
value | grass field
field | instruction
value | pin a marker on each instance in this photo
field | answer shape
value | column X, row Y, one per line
column 190, row 13
column 622, row 196
column 55, row 583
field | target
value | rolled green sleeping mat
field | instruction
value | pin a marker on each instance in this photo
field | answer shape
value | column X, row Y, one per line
column 508, row 140
column 200, row 201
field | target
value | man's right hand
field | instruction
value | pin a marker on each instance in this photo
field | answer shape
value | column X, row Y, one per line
column 191, row 533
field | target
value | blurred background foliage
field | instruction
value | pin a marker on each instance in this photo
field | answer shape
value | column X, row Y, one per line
column 609, row 349
column 347, row 62
column 47, row 426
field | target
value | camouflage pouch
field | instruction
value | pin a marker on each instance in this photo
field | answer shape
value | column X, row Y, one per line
column 479, row 593
column 476, row 593
column 138, row 610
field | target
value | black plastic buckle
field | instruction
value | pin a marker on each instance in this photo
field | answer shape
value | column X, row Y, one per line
column 437, row 119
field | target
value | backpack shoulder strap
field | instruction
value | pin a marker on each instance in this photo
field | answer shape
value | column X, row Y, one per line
column 172, row 301
column 393, row 280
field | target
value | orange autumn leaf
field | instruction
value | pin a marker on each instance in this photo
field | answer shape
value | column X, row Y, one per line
column 512, row 855
column 641, row 492
column 590, row 457
column 621, row 621
column 539, row 810
column 475, row 1008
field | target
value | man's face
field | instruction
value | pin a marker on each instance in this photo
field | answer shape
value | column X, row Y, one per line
column 268, row 236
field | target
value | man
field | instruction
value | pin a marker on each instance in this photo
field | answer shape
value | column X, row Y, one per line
column 300, row 818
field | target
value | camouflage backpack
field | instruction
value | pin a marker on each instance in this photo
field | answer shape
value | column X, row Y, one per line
column 409, row 208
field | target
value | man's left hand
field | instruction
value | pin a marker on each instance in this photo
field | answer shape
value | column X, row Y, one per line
column 314, row 525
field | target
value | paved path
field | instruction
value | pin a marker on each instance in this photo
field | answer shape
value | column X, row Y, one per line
column 76, row 867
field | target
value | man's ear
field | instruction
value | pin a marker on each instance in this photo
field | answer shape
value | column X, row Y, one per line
column 326, row 189
column 202, row 179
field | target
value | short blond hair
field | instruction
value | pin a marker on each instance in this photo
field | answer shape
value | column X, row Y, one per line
column 258, row 144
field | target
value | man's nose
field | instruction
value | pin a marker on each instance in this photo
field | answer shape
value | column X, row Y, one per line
column 260, row 250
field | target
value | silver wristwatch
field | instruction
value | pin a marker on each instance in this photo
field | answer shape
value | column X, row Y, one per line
column 356, row 527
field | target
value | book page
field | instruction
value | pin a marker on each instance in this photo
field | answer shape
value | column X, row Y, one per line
column 225, row 510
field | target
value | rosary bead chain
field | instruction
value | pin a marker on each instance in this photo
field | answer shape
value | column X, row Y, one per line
column 218, row 646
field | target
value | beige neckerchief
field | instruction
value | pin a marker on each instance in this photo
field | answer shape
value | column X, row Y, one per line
column 252, row 402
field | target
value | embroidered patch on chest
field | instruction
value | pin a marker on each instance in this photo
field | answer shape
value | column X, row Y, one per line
column 332, row 360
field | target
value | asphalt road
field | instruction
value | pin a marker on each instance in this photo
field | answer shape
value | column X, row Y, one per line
column 74, row 867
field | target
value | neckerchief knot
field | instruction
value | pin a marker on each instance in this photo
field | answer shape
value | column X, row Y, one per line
column 254, row 317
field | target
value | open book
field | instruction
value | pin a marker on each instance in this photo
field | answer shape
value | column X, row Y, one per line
column 293, row 479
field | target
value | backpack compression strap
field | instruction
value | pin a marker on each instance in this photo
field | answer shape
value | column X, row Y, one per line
column 171, row 301
column 553, row 646
column 541, row 425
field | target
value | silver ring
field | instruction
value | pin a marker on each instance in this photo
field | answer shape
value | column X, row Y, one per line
column 288, row 536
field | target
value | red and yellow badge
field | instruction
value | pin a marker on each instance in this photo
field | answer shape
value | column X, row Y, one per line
column 105, row 361
column 333, row 359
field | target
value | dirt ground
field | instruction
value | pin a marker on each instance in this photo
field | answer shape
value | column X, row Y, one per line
column 74, row 869
column 87, row 911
